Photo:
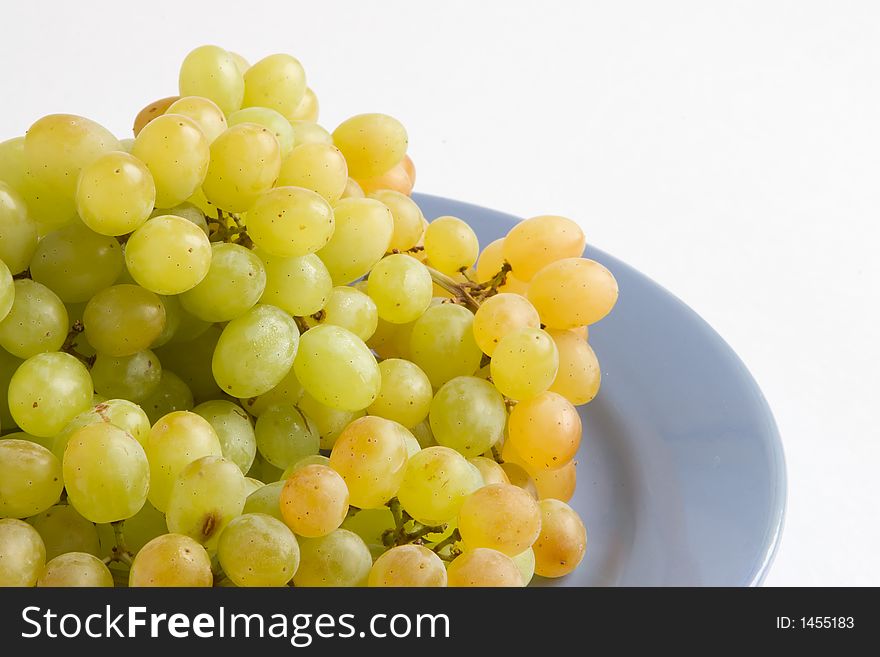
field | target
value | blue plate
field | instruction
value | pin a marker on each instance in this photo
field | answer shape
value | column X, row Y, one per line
column 681, row 475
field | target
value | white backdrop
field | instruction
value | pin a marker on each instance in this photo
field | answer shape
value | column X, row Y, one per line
column 731, row 151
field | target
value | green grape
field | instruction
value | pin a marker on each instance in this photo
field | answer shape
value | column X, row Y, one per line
column 168, row 255
column 233, row 285
column 21, row 435
column 284, row 436
column 290, row 221
column 490, row 471
column 121, row 413
column 177, row 154
column 266, row 500
column 269, row 119
column 18, row 232
column 251, row 485
column 115, row 194
column 500, row 315
column 309, row 132
column 58, row 146
column 203, row 111
column 245, row 161
column 340, row 558
column 336, row 368
column 483, row 567
column 186, row 211
column 234, row 431
column 451, row 245
column 76, row 569
column 328, row 422
column 525, row 562
column 442, row 343
column 370, row 455
column 402, row 288
column 175, row 441
column 579, row 375
column 255, row 351
column 561, row 545
column 213, row 73
column 208, row 493
column 265, row 471
column 188, row 327
column 133, row 377
column 106, row 474
column 277, row 81
column 500, row 516
column 22, row 554
column 312, row 459
column 8, row 365
column 7, row 290
column 534, row 243
column 171, row 560
column 123, row 320
column 545, row 431
column 573, row 292
column 192, row 361
column 64, row 530
column 361, row 237
column 408, row 219
column 307, row 109
column 258, row 550
column 240, row 62
column 287, row 391
column 316, row 166
column 36, row 323
column 30, row 478
column 423, row 434
column 435, row 485
column 518, row 476
column 351, row 309
column 299, row 285
column 371, row 143
column 408, row 565
column 172, row 394
column 76, row 262
column 371, row 525
column 524, row 363
column 405, row 395
column 314, row 501
column 47, row 391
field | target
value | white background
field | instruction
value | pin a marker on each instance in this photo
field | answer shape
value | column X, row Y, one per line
column 731, row 151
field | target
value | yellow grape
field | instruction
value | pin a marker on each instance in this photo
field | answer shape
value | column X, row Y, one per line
column 391, row 340
column 121, row 413
column 150, row 112
column 451, row 245
column 299, row 285
column 240, row 62
column 371, row 143
column 435, row 485
column 290, row 221
column 288, row 391
column 18, row 232
column 171, row 560
column 233, row 284
column 500, row 516
column 258, row 550
column 534, row 243
column 558, row 484
column 316, row 166
column 329, row 422
column 22, row 553
column 352, row 189
column 500, row 315
column 168, row 255
column 545, row 430
column 579, row 374
column 270, row 119
column 30, row 478
column 525, row 561
column 370, row 454
column 76, row 569
column 518, row 476
column 212, row 72
column 363, row 231
column 314, row 501
column 351, row 309
column 123, row 320
column 442, row 343
column 245, row 161
column 203, row 111
column 115, row 194
column 408, row 565
column 490, row 471
column 572, row 292
column 489, row 264
column 524, row 363
column 482, row 567
column 234, row 431
column 562, row 542
column 307, row 110
column 395, row 179
column 278, row 82
column 408, row 219
column 309, row 132
column 405, row 394
column 36, row 322
column 401, row 286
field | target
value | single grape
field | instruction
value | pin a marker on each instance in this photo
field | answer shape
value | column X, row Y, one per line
column 30, row 478
column 234, row 431
column 245, row 161
column 483, row 567
column 240, row 62
column 435, row 485
column 172, row 394
column 408, row 218
column 557, row 484
column 269, row 119
column 309, row 132
column 186, row 211
column 211, row 72
column 255, row 351
column 341, row 558
column 203, row 111
column 371, row 143
column 133, row 377
column 307, row 110
column 147, row 114
column 572, row 292
column 168, row 255
column 284, row 436
column 500, row 516
column 121, row 413
column 64, row 530
column 318, row 167
column 287, row 391
column 361, row 236
column 545, row 430
column 579, row 374
column 442, row 343
column 405, row 394
column 234, row 283
column 18, row 231
column 251, row 485
column 490, row 471
column 22, row 554
column 500, row 315
column 423, row 434
column 534, row 243
column 451, row 245
column 299, row 285
column 174, row 442
column 37, row 322
column 258, row 550
column 402, row 288
column 47, row 391
column 351, row 309
column 171, row 560
column 314, row 501
column 208, row 494
column 395, row 179
column 266, row 500
column 328, row 422
column 562, row 542
column 7, row 290
column 177, row 153
column 352, row 189
column 408, row 565
column 468, row 414
column 115, row 194
column 123, row 320
column 524, row 363
column 336, row 368
column 277, row 81
column 76, row 569
column 371, row 456
column 518, row 476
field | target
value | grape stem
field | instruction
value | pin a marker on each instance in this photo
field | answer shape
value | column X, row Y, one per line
column 69, row 346
column 400, row 535
column 228, row 228
column 449, row 541
column 120, row 551
column 468, row 293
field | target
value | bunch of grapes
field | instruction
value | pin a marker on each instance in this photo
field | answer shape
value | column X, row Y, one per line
column 234, row 352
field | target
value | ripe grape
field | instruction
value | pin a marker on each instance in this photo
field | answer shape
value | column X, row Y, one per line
column 30, row 478
column 172, row 394
column 361, row 236
column 36, row 323
column 7, row 290
column 371, row 525
column 405, row 394
column 490, row 471
column 64, row 530
column 266, row 500
column 468, row 415
column 518, row 476
column 351, row 309
column 562, row 542
column 185, row 250
column 75, row 569
column 545, row 430
column 308, row 132
column 123, row 320
column 171, row 560
column 244, row 164
column 277, row 81
column 299, row 285
column 442, row 343
column 557, row 484
column 435, row 485
column 316, row 166
column 115, row 194
column 213, row 73
column 284, row 436
column 288, row 391
column 572, row 292
column 396, row 179
column 328, row 422
column 233, row 429
column 579, row 375
column 408, row 565
column 258, row 550
column 500, row 516
column 341, row 558
column 314, row 501
column 500, row 315
column 408, row 218
column 133, row 377
column 524, row 363
column 451, row 245
column 534, row 243
column 483, row 567
column 402, row 288
column 203, row 111
column 290, row 221
column 307, row 110
column 371, row 143
column 121, row 413
column 18, row 232
column 22, row 554
column 489, row 265
column 233, row 284
column 525, row 561
column 192, row 357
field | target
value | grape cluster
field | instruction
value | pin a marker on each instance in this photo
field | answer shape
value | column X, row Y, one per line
column 234, row 352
